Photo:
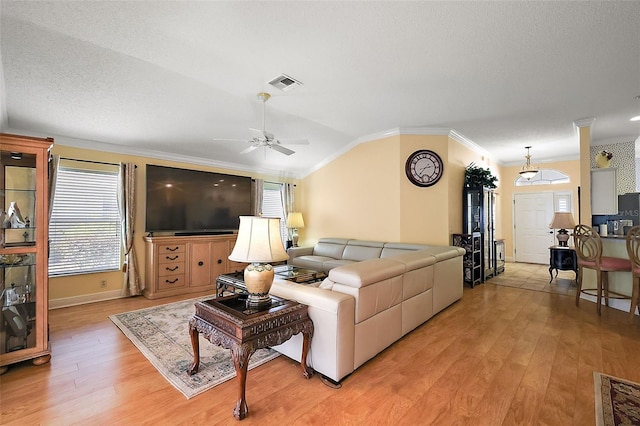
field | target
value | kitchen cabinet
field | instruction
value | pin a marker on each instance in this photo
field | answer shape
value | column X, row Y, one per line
column 24, row 333
column 604, row 191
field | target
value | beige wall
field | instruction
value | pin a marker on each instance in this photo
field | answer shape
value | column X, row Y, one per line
column 83, row 288
column 364, row 194
column 508, row 190
column 354, row 194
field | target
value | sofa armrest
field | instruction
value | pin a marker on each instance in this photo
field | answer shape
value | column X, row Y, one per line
column 333, row 315
column 294, row 252
column 312, row 296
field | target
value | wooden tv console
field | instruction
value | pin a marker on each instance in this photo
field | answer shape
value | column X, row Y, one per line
column 187, row 264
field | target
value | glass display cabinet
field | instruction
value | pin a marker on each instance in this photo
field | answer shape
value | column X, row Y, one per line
column 478, row 213
column 24, row 284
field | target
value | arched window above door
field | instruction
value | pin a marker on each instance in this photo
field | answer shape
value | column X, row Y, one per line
column 544, row 177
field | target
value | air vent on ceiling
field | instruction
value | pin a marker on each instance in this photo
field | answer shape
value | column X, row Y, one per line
column 285, row 83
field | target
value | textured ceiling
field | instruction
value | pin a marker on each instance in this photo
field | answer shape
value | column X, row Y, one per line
column 172, row 76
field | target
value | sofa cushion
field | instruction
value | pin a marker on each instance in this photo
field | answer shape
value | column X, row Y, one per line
column 361, row 274
column 312, row 262
column 358, row 250
column 334, row 263
column 415, row 259
column 445, row 252
column 326, row 284
column 330, row 247
column 392, row 249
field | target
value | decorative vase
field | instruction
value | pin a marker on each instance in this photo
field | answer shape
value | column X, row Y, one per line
column 258, row 278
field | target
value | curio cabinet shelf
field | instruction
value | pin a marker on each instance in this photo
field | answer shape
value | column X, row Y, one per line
column 24, row 284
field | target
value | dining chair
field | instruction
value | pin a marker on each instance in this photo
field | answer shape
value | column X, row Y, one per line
column 588, row 247
column 633, row 250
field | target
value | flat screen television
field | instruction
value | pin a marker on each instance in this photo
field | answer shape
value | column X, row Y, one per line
column 191, row 202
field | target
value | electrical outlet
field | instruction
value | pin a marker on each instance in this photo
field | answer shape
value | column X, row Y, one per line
column 103, row 283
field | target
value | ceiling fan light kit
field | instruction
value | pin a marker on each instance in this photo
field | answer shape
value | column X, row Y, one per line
column 262, row 138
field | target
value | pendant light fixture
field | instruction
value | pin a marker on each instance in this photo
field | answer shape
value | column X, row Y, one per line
column 528, row 171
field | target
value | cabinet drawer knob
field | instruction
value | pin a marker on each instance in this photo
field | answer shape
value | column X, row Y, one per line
column 172, row 257
column 173, row 249
column 175, row 268
column 219, row 261
column 171, row 281
column 200, row 263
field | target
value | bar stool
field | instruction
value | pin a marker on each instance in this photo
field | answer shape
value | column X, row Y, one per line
column 633, row 250
column 589, row 250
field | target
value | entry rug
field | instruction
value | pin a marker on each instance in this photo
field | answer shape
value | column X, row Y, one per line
column 617, row 401
column 161, row 333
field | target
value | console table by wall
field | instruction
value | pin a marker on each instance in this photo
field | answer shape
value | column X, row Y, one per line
column 563, row 259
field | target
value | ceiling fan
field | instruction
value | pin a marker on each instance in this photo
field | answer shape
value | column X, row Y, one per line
column 262, row 138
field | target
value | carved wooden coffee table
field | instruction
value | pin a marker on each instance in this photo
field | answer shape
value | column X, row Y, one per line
column 227, row 322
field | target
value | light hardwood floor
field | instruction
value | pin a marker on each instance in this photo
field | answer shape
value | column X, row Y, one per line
column 503, row 355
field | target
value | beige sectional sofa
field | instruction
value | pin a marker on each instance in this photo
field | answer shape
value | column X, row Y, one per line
column 375, row 293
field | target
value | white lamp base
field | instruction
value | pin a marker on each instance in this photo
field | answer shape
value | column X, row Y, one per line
column 294, row 237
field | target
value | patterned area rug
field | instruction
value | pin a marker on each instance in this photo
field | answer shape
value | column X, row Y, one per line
column 161, row 333
column 617, row 401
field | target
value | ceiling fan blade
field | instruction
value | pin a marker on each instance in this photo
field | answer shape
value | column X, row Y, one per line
column 294, row 142
column 247, row 150
column 257, row 134
column 281, row 149
column 228, row 140
column 268, row 135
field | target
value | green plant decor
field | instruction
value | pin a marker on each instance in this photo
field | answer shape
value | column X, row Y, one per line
column 477, row 176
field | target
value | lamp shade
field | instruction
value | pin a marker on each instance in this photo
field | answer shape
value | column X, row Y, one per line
column 295, row 220
column 562, row 220
column 258, row 241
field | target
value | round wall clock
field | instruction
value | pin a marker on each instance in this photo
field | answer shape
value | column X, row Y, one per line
column 424, row 168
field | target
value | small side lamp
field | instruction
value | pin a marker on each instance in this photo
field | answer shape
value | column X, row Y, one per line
column 259, row 242
column 295, row 221
column 562, row 221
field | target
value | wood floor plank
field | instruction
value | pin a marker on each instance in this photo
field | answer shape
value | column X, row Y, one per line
column 503, row 355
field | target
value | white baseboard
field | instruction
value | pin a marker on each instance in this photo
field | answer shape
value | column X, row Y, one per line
column 85, row 298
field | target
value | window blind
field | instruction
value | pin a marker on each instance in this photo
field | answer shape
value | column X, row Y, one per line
column 84, row 230
column 272, row 207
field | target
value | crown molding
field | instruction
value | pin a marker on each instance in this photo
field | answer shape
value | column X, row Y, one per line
column 399, row 131
column 463, row 140
column 584, row 122
column 543, row 161
column 158, row 155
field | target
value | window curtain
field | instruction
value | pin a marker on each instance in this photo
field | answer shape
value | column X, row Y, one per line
column 287, row 201
column 54, row 164
column 258, row 187
column 131, row 285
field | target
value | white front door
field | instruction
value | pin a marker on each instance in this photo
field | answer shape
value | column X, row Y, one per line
column 532, row 215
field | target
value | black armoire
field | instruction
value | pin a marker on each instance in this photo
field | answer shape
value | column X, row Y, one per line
column 478, row 215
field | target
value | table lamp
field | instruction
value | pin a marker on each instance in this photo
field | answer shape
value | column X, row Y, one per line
column 295, row 221
column 258, row 243
column 562, row 221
